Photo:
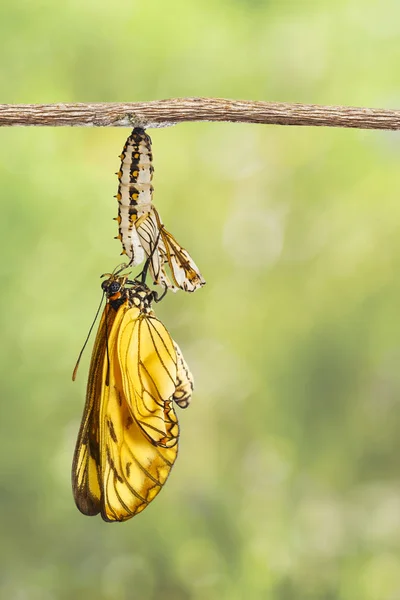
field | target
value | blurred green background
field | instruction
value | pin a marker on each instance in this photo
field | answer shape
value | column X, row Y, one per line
column 288, row 481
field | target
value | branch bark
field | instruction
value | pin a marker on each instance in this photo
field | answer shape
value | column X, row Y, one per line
column 163, row 113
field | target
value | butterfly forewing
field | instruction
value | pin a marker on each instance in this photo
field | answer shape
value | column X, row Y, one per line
column 149, row 366
column 86, row 476
column 133, row 469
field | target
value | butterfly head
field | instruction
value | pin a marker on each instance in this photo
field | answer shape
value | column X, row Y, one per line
column 118, row 289
column 114, row 287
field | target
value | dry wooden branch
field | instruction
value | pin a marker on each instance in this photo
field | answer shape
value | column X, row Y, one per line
column 162, row 113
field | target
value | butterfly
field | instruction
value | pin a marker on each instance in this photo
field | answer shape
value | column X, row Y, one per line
column 128, row 438
column 141, row 230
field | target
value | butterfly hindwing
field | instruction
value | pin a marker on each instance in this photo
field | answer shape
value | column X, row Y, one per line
column 184, row 380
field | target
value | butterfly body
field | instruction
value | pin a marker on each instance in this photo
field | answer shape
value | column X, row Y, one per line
column 128, row 440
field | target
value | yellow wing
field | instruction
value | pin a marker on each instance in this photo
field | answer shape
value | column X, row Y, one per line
column 148, row 362
column 133, row 457
column 184, row 380
column 86, row 475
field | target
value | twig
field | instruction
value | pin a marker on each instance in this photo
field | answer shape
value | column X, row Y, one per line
column 162, row 113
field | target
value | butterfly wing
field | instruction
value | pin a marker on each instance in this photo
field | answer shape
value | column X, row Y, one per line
column 139, row 429
column 127, row 443
column 149, row 371
column 86, row 472
column 133, row 468
column 184, row 380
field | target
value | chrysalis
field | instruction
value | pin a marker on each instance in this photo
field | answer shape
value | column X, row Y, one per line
column 141, row 230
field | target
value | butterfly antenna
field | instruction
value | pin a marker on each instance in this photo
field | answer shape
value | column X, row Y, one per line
column 121, row 267
column 75, row 371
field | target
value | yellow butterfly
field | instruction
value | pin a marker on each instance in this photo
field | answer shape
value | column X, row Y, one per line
column 141, row 230
column 128, row 439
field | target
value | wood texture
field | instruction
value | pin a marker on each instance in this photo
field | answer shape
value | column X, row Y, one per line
column 163, row 113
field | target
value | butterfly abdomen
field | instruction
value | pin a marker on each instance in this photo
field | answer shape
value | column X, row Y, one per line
column 135, row 190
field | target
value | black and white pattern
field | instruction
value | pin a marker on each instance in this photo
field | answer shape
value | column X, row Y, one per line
column 141, row 230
